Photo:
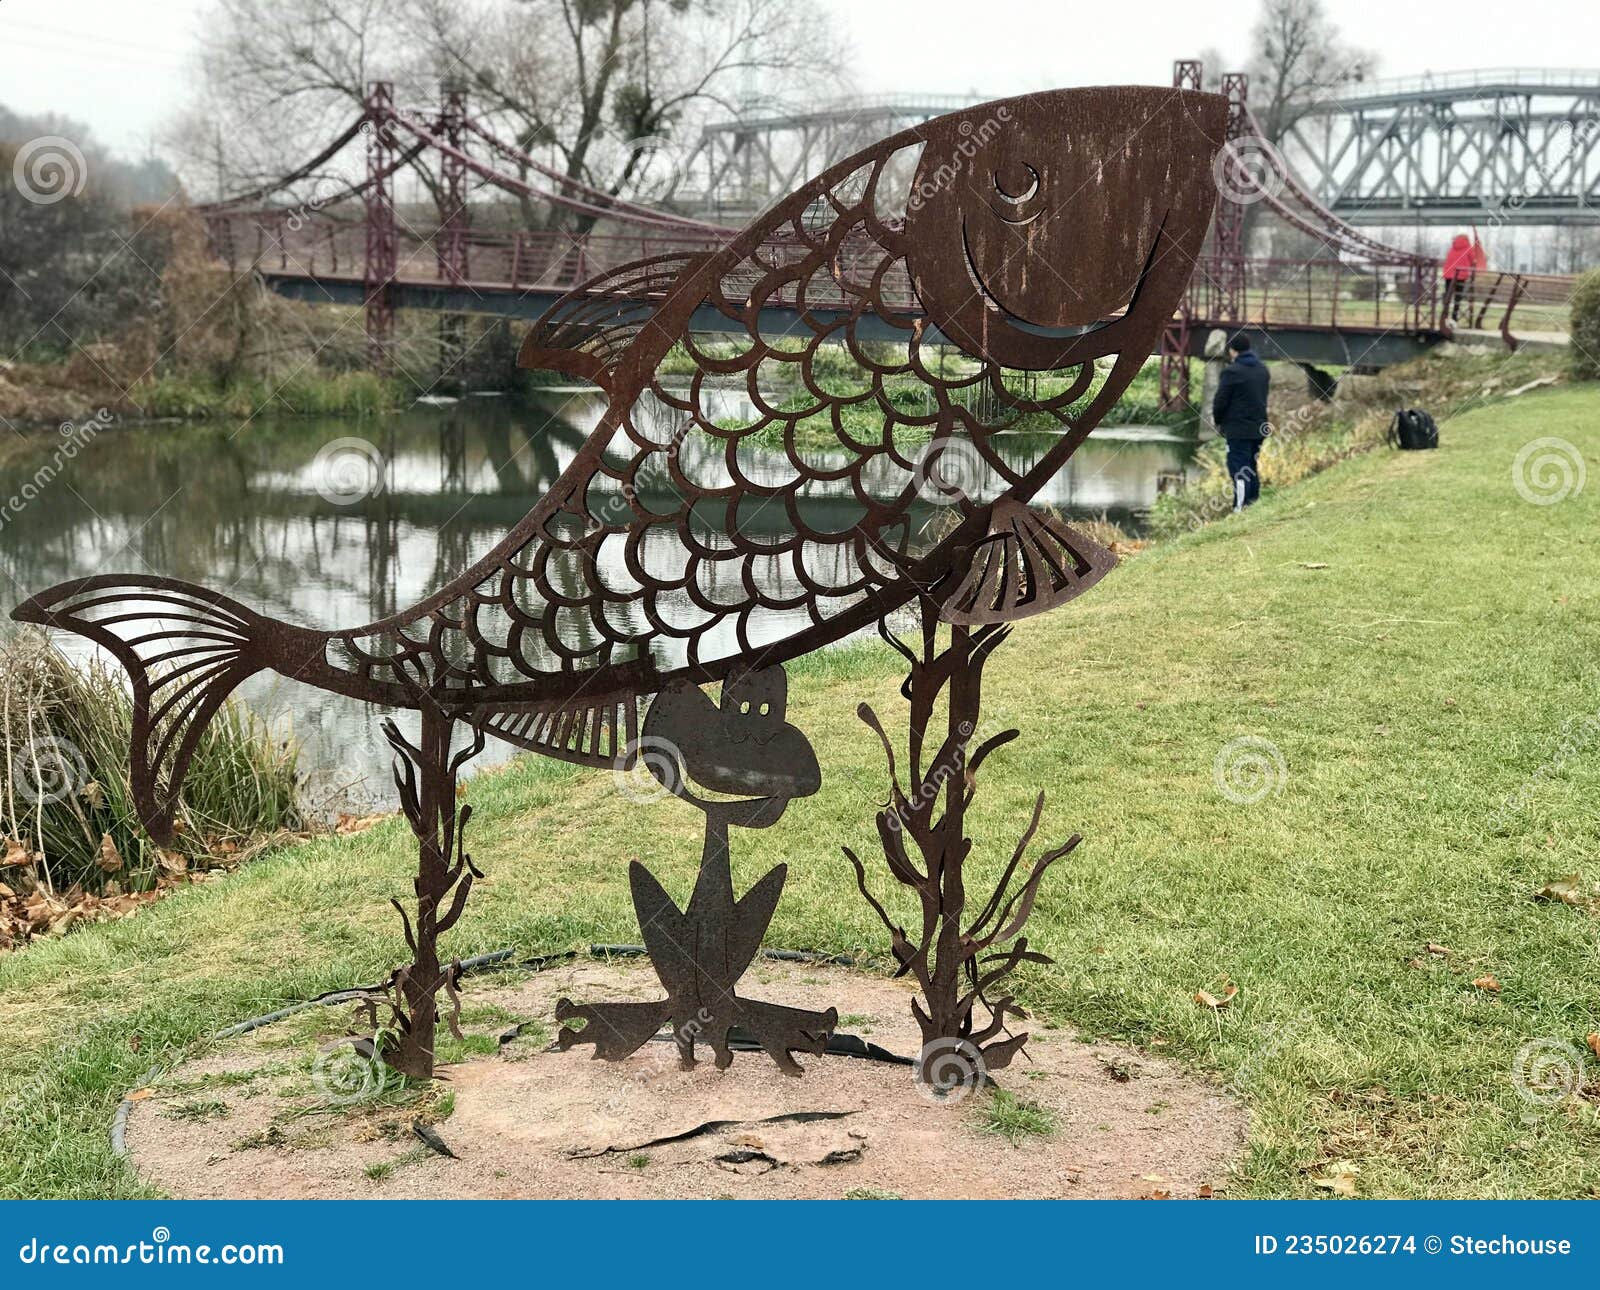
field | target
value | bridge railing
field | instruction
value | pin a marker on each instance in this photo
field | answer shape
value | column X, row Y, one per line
column 1367, row 295
column 1548, row 80
column 1327, row 294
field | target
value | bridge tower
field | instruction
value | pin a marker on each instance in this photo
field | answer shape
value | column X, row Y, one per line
column 1186, row 75
column 452, row 240
column 379, row 200
column 1228, row 280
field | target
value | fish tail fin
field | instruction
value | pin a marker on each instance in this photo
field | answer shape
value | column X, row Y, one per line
column 184, row 648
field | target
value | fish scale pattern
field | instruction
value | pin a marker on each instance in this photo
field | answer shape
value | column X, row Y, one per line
column 686, row 543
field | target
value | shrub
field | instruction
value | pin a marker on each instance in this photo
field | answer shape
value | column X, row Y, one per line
column 65, row 730
column 1586, row 327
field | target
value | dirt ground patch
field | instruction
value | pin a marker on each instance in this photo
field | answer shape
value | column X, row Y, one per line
column 263, row 1115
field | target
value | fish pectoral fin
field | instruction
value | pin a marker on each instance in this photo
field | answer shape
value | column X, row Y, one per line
column 586, row 332
column 1030, row 561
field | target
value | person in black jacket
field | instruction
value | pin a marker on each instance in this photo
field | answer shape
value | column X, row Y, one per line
column 1240, row 412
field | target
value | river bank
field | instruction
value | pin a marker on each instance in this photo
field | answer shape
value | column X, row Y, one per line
column 1322, row 752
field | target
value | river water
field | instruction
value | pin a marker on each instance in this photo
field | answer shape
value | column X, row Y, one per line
column 284, row 515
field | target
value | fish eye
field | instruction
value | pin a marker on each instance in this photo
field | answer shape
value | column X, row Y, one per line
column 1016, row 199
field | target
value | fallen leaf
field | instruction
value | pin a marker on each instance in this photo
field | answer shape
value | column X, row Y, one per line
column 1205, row 1192
column 1443, row 951
column 1449, row 703
column 93, row 794
column 110, row 857
column 1487, row 982
column 1593, row 1040
column 173, row 862
column 1341, row 1179
column 1206, row 999
column 140, row 1094
column 1567, row 890
column 16, row 854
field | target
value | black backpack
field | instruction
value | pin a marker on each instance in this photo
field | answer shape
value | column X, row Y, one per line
column 1413, row 429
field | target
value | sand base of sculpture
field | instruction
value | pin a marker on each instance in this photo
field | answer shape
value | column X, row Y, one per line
column 254, row 1117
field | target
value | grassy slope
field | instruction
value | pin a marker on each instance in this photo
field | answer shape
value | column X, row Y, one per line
column 1412, row 686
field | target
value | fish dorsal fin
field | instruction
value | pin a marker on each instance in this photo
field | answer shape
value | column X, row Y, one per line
column 1029, row 562
column 586, row 332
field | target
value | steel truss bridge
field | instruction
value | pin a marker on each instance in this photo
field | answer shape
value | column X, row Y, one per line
column 1502, row 146
column 1355, row 301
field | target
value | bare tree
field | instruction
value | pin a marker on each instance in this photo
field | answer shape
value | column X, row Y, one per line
column 276, row 79
column 1298, row 57
column 606, row 89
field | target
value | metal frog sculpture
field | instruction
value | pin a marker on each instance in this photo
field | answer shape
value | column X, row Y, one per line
column 1053, row 232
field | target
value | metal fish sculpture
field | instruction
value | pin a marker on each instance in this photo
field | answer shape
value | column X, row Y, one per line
column 1053, row 232
column 1039, row 233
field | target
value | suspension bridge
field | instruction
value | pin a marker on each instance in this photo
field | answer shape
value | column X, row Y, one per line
column 1352, row 300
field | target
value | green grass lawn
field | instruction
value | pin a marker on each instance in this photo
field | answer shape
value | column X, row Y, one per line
column 1415, row 640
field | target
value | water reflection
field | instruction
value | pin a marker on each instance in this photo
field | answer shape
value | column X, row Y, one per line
column 251, row 512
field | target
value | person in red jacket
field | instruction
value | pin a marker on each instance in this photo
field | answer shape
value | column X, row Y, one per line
column 1459, row 264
